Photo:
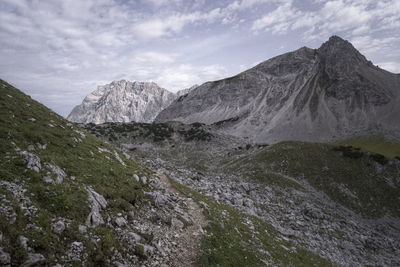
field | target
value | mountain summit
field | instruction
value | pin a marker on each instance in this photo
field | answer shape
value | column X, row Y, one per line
column 319, row 94
column 122, row 101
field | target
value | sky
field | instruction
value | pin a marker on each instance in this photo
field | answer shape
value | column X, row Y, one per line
column 58, row 51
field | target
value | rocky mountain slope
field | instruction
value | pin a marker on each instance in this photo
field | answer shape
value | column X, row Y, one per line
column 185, row 91
column 340, row 202
column 70, row 199
column 319, row 94
column 122, row 101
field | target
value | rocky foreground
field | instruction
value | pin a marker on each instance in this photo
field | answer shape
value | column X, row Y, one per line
column 334, row 221
column 69, row 198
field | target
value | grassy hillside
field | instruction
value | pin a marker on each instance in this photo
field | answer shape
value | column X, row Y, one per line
column 365, row 182
column 29, row 128
column 376, row 144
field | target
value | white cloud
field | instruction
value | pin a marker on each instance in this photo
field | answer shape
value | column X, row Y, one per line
column 153, row 58
column 369, row 44
column 279, row 20
column 157, row 3
column 172, row 24
column 169, row 25
column 162, row 3
column 244, row 4
column 354, row 16
column 184, row 75
column 159, row 27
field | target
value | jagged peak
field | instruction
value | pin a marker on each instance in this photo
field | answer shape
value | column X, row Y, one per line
column 116, row 82
column 132, row 85
column 123, row 101
column 336, row 39
column 338, row 47
column 335, row 42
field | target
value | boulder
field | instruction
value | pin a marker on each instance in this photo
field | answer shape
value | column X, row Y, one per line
column 160, row 199
column 34, row 259
column 75, row 251
column 47, row 179
column 40, row 146
column 60, row 174
column 133, row 238
column 58, row 227
column 131, row 215
column 82, row 229
column 143, row 179
column 5, row 258
column 136, row 177
column 97, row 203
column 120, row 221
column 177, row 224
column 33, row 161
column 23, row 241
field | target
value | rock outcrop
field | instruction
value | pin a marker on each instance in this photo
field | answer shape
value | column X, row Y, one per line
column 97, row 203
column 310, row 94
column 122, row 101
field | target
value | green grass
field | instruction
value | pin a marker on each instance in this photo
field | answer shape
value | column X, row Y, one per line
column 236, row 239
column 325, row 168
column 376, row 144
column 80, row 159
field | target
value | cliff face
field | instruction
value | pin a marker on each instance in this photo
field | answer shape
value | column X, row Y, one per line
column 122, row 101
column 310, row 94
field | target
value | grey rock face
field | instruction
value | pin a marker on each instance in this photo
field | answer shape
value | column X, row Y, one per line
column 5, row 258
column 133, row 238
column 160, row 199
column 18, row 193
column 177, row 224
column 120, row 221
column 34, row 259
column 136, row 177
column 97, row 203
column 23, row 241
column 143, row 179
column 122, row 101
column 58, row 227
column 75, row 251
column 57, row 171
column 33, row 161
column 82, row 229
column 310, row 94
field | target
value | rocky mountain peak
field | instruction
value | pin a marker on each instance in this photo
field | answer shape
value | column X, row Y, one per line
column 122, row 101
column 337, row 49
column 309, row 94
column 134, row 85
column 337, row 43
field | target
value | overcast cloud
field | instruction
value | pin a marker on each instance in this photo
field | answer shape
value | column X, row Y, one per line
column 58, row 51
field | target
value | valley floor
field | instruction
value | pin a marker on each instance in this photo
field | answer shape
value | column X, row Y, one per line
column 321, row 204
